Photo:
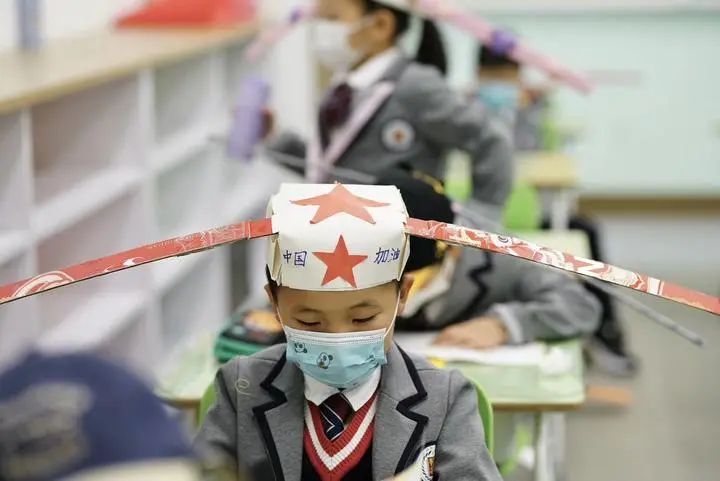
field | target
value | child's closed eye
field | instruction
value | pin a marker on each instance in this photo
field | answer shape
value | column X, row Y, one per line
column 363, row 320
column 307, row 323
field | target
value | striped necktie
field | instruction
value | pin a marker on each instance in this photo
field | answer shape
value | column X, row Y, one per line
column 336, row 413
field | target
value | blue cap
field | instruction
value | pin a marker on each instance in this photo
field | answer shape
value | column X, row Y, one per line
column 61, row 415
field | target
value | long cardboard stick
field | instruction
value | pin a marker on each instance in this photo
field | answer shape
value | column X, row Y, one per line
column 650, row 313
column 179, row 246
column 500, row 244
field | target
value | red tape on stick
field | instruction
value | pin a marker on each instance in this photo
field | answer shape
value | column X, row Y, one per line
column 478, row 239
column 179, row 246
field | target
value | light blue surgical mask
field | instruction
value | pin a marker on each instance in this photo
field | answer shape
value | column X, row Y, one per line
column 341, row 360
column 499, row 96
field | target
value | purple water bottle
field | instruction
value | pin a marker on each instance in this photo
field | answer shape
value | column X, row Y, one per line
column 248, row 119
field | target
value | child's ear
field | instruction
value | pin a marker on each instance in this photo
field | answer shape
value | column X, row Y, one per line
column 406, row 284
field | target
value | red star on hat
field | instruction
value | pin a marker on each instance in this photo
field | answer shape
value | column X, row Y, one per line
column 340, row 263
column 340, row 200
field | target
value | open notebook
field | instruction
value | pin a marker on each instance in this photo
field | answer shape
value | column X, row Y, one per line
column 549, row 359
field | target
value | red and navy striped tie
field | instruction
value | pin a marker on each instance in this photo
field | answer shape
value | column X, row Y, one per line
column 336, row 412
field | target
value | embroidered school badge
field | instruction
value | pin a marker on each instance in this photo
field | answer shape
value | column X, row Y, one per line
column 398, row 135
column 427, row 463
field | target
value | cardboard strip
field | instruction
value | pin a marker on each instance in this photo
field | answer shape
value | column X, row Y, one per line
column 542, row 255
column 179, row 246
column 272, row 35
column 499, row 40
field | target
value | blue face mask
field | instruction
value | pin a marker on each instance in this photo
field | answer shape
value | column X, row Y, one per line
column 499, row 96
column 342, row 360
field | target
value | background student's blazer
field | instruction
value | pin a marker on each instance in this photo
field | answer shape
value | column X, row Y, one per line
column 412, row 116
column 258, row 419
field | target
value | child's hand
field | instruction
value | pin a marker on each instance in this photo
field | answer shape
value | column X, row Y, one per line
column 268, row 123
column 479, row 333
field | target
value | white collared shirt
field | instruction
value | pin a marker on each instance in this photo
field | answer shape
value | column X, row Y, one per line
column 365, row 76
column 317, row 392
column 370, row 72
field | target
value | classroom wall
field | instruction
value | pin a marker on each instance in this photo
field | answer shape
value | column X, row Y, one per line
column 657, row 130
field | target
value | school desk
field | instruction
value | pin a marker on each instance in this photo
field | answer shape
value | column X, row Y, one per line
column 548, row 396
column 555, row 174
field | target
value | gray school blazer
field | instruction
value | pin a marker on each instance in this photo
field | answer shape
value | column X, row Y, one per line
column 258, row 419
column 412, row 116
column 541, row 302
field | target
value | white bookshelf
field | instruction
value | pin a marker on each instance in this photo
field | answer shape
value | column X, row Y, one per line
column 104, row 149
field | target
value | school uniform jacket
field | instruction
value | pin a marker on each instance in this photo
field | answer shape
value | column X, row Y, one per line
column 258, row 419
column 411, row 116
column 533, row 301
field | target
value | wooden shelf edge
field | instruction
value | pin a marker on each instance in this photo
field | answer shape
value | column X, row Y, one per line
column 102, row 57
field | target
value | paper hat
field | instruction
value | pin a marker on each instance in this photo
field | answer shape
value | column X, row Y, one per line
column 337, row 237
column 358, row 203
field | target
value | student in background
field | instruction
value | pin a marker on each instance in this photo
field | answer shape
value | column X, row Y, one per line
column 384, row 108
column 340, row 400
column 477, row 299
column 82, row 418
column 500, row 90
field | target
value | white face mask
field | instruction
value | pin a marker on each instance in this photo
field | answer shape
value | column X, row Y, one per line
column 331, row 42
column 342, row 360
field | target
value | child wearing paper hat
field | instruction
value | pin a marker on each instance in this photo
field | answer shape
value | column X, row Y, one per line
column 384, row 108
column 340, row 400
column 478, row 299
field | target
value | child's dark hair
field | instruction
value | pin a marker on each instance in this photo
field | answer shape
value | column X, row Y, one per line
column 271, row 283
column 432, row 49
column 488, row 58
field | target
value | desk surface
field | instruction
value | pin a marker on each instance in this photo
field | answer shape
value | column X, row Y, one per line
column 510, row 388
column 527, row 388
column 546, row 170
column 65, row 66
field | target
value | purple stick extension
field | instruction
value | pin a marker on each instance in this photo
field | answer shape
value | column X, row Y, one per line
column 247, row 127
column 502, row 42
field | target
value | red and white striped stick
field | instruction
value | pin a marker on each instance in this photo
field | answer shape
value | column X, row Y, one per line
column 479, row 239
column 450, row 233
column 518, row 50
column 179, row 246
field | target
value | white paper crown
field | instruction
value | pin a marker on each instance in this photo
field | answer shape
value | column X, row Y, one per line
column 405, row 5
column 337, row 237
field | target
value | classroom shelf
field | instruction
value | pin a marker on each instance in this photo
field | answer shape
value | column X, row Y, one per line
column 94, row 322
column 181, row 97
column 18, row 320
column 168, row 272
column 117, row 227
column 250, row 182
column 15, row 172
column 104, row 146
column 180, row 148
column 188, row 195
column 63, row 67
column 199, row 302
column 81, row 199
column 13, row 243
